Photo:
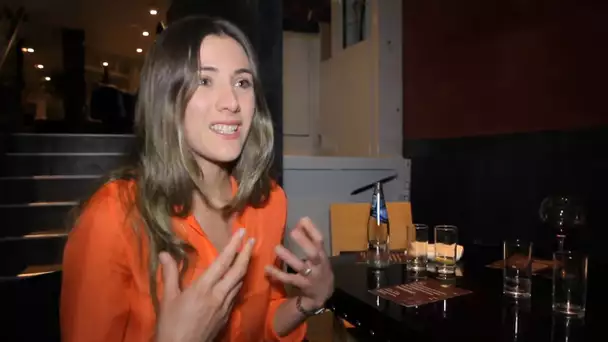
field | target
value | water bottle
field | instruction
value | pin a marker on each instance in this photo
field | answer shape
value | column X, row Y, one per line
column 378, row 231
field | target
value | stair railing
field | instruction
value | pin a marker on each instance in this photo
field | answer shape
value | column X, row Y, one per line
column 13, row 33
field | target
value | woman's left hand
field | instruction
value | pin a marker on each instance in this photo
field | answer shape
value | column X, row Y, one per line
column 315, row 278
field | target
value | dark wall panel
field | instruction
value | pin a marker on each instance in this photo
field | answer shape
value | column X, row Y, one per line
column 74, row 92
column 476, row 67
column 492, row 186
column 504, row 104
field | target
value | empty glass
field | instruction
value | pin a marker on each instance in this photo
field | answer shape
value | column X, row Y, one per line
column 517, row 270
column 569, row 283
column 516, row 314
column 567, row 328
column 446, row 239
column 564, row 214
column 417, row 248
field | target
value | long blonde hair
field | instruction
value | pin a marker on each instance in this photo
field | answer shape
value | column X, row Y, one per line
column 166, row 174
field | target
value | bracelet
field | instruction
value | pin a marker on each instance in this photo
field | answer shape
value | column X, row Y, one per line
column 305, row 312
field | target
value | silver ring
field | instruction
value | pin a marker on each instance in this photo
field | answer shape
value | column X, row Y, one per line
column 307, row 272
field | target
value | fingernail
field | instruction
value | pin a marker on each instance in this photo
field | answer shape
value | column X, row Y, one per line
column 252, row 241
column 162, row 257
column 241, row 232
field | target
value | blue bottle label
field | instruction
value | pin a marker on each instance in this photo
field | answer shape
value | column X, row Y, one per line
column 381, row 207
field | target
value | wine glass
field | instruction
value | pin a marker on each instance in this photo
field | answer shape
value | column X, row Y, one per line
column 564, row 214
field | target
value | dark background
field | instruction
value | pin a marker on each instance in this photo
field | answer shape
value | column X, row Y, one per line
column 504, row 104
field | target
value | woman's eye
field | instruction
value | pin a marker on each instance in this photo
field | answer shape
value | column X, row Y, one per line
column 243, row 83
column 204, row 81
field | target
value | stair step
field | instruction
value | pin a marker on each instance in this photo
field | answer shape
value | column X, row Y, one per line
column 19, row 220
column 44, row 164
column 32, row 271
column 35, row 270
column 31, row 299
column 18, row 255
column 47, row 188
column 44, row 234
column 64, row 142
column 39, row 204
column 42, row 178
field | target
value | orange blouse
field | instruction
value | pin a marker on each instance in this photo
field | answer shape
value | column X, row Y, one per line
column 105, row 292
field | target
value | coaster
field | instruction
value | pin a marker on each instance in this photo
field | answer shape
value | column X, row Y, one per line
column 537, row 265
column 396, row 257
column 420, row 292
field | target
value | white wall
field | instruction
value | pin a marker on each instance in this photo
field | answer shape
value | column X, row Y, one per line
column 301, row 60
column 348, row 102
column 387, row 37
column 351, row 103
column 342, row 117
column 313, row 183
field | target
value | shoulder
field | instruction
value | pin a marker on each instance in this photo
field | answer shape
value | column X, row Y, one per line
column 116, row 196
column 101, row 239
column 277, row 200
column 105, row 214
column 272, row 216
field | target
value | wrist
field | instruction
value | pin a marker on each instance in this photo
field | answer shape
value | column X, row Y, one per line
column 308, row 306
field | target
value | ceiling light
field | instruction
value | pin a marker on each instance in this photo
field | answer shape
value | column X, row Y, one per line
column 39, row 66
column 139, row 50
column 153, row 11
column 105, row 64
column 47, row 78
column 145, row 33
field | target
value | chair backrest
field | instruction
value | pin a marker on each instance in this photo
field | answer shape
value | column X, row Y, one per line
column 349, row 225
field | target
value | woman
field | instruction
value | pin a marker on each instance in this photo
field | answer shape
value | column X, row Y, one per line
column 201, row 188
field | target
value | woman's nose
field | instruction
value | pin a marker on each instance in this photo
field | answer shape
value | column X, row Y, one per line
column 227, row 100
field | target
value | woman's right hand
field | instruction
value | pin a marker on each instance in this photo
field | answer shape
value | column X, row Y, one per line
column 199, row 312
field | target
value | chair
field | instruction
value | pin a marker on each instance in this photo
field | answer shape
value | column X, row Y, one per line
column 348, row 227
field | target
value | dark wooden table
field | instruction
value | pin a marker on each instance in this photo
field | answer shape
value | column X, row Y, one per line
column 484, row 315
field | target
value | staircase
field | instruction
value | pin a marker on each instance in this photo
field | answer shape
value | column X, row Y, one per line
column 42, row 177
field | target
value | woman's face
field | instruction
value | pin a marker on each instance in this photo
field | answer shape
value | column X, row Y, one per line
column 219, row 115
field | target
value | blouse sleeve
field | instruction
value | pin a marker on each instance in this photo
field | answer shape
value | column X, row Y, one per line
column 277, row 289
column 94, row 303
column 278, row 297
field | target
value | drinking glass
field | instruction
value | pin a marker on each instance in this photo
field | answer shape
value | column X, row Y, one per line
column 564, row 214
column 446, row 239
column 517, row 270
column 569, row 283
column 567, row 328
column 417, row 250
column 516, row 314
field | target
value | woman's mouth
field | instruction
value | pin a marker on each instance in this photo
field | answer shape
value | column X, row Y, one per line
column 224, row 129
